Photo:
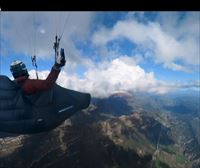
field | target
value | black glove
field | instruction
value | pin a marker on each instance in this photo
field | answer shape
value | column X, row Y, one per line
column 60, row 61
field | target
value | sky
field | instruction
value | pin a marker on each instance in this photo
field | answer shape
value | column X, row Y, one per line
column 107, row 52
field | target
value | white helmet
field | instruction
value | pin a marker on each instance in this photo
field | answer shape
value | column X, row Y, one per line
column 18, row 68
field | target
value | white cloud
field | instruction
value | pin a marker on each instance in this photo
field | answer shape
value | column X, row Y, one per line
column 167, row 47
column 29, row 31
column 121, row 74
column 173, row 43
column 115, row 72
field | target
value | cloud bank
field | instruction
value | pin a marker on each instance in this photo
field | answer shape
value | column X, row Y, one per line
column 174, row 45
column 170, row 40
column 115, row 76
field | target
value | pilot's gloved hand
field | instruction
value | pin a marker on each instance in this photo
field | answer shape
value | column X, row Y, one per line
column 60, row 61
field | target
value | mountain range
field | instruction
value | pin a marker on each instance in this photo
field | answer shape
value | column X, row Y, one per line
column 121, row 131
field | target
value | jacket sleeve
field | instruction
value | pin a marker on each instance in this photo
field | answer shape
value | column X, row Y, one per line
column 32, row 85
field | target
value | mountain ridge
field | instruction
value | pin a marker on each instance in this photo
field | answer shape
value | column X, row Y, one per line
column 115, row 132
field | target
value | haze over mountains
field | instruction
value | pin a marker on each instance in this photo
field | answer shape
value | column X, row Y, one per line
column 122, row 131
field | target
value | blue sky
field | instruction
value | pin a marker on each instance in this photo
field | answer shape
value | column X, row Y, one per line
column 107, row 52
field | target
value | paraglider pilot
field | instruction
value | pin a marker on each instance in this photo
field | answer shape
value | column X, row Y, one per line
column 31, row 86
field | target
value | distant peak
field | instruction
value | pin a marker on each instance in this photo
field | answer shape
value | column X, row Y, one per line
column 121, row 94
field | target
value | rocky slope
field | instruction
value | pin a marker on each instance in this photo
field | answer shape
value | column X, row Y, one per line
column 117, row 132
